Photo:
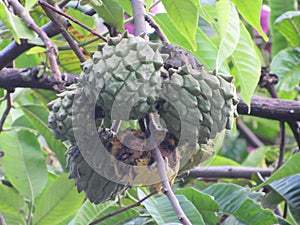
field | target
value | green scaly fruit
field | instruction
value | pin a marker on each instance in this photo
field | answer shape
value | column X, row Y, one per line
column 97, row 188
column 126, row 72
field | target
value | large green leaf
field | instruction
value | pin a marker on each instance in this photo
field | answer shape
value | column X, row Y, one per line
column 126, row 6
column 84, row 19
column 13, row 219
column 286, row 65
column 111, row 12
column 11, row 202
column 229, row 30
column 289, row 190
column 162, row 212
column 171, row 31
column 289, row 168
column 250, row 10
column 24, row 162
column 58, row 202
column 257, row 158
column 247, row 65
column 205, row 204
column 235, row 200
column 278, row 7
column 207, row 53
column 184, row 15
column 288, row 25
column 15, row 24
column 38, row 117
column 89, row 212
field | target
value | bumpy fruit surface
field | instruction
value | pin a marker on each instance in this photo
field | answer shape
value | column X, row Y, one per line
column 125, row 72
column 97, row 188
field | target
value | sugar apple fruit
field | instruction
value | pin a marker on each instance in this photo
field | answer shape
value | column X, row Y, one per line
column 124, row 72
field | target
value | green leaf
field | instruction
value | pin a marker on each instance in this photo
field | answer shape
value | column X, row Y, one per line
column 250, row 10
column 162, row 212
column 171, row 31
column 231, row 220
column 288, row 24
column 29, row 4
column 286, row 65
column 289, row 168
column 12, row 219
column 85, row 19
column 289, row 190
column 89, row 212
column 229, row 29
column 58, row 202
column 38, row 117
column 235, row 200
column 111, row 12
column 247, row 65
column 205, row 204
column 26, row 61
column 207, row 53
column 184, row 15
column 126, row 6
column 256, row 158
column 278, row 7
column 24, row 162
column 218, row 160
column 15, row 24
column 11, row 202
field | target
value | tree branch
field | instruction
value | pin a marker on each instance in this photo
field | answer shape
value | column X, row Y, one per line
column 30, row 78
column 62, row 27
column 226, row 172
column 159, row 32
column 6, row 110
column 269, row 108
column 139, row 17
column 50, row 47
column 45, row 4
column 13, row 50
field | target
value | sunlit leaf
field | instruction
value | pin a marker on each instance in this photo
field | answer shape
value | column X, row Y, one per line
column 171, row 31
column 162, row 212
column 38, row 117
column 250, row 10
column 289, row 190
column 58, row 202
column 247, row 65
column 286, row 65
column 111, row 12
column 235, row 200
column 207, row 53
column 278, row 7
column 89, row 212
column 229, row 29
column 289, row 168
column 184, row 15
column 84, row 19
column 24, row 162
column 288, row 25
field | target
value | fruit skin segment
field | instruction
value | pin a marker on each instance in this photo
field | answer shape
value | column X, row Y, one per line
column 127, row 78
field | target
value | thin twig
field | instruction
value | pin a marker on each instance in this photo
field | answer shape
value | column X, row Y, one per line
column 282, row 144
column 51, row 48
column 166, row 187
column 6, row 110
column 2, row 220
column 123, row 209
column 64, row 32
column 43, row 3
column 116, row 124
column 154, row 25
column 226, row 172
